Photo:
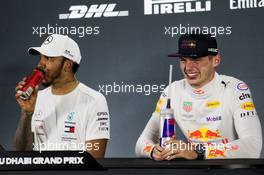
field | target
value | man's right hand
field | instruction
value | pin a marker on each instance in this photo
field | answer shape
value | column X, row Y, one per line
column 157, row 153
column 27, row 106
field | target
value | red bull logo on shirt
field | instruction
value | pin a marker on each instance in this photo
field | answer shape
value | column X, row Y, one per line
column 214, row 153
column 204, row 134
column 197, row 134
column 210, row 134
column 216, row 144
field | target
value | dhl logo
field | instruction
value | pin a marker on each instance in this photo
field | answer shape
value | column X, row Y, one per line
column 248, row 106
column 212, row 104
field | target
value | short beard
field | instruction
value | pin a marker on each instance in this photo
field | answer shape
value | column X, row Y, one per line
column 47, row 84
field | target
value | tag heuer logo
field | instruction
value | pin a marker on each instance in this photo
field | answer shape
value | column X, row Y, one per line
column 187, row 106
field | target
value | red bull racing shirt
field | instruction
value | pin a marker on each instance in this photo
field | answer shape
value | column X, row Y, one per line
column 220, row 113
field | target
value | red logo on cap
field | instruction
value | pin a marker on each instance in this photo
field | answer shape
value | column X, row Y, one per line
column 188, row 44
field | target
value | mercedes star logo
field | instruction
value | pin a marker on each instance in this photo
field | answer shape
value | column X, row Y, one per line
column 48, row 40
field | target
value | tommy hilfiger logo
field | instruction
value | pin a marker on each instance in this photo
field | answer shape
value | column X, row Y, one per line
column 69, row 129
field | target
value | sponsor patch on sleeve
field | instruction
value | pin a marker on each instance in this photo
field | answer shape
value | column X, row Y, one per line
column 242, row 86
column 147, row 148
column 248, row 106
column 244, row 96
column 159, row 105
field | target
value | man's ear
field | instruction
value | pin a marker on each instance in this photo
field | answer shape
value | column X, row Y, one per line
column 68, row 65
column 217, row 60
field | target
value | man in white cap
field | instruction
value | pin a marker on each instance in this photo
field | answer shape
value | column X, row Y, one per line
column 67, row 115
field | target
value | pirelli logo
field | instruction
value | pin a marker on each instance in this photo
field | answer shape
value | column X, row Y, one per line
column 160, row 7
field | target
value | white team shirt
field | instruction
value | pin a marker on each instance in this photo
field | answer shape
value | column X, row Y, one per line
column 221, row 112
column 65, row 122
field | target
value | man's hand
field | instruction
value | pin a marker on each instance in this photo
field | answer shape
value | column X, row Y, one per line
column 96, row 147
column 157, row 153
column 23, row 139
column 27, row 106
column 174, row 149
column 180, row 149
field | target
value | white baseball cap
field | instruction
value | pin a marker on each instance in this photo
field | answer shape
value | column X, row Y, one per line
column 58, row 45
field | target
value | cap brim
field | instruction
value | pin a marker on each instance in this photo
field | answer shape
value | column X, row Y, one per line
column 34, row 51
column 174, row 55
column 184, row 55
column 40, row 50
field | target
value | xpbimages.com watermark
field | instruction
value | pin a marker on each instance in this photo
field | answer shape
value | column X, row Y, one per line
column 210, row 148
column 79, row 31
column 145, row 89
column 52, row 146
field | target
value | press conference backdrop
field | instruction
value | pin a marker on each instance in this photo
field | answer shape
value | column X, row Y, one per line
column 124, row 45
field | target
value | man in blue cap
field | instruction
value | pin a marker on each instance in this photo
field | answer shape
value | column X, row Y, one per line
column 215, row 112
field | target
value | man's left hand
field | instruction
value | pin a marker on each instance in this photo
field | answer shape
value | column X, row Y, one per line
column 178, row 149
